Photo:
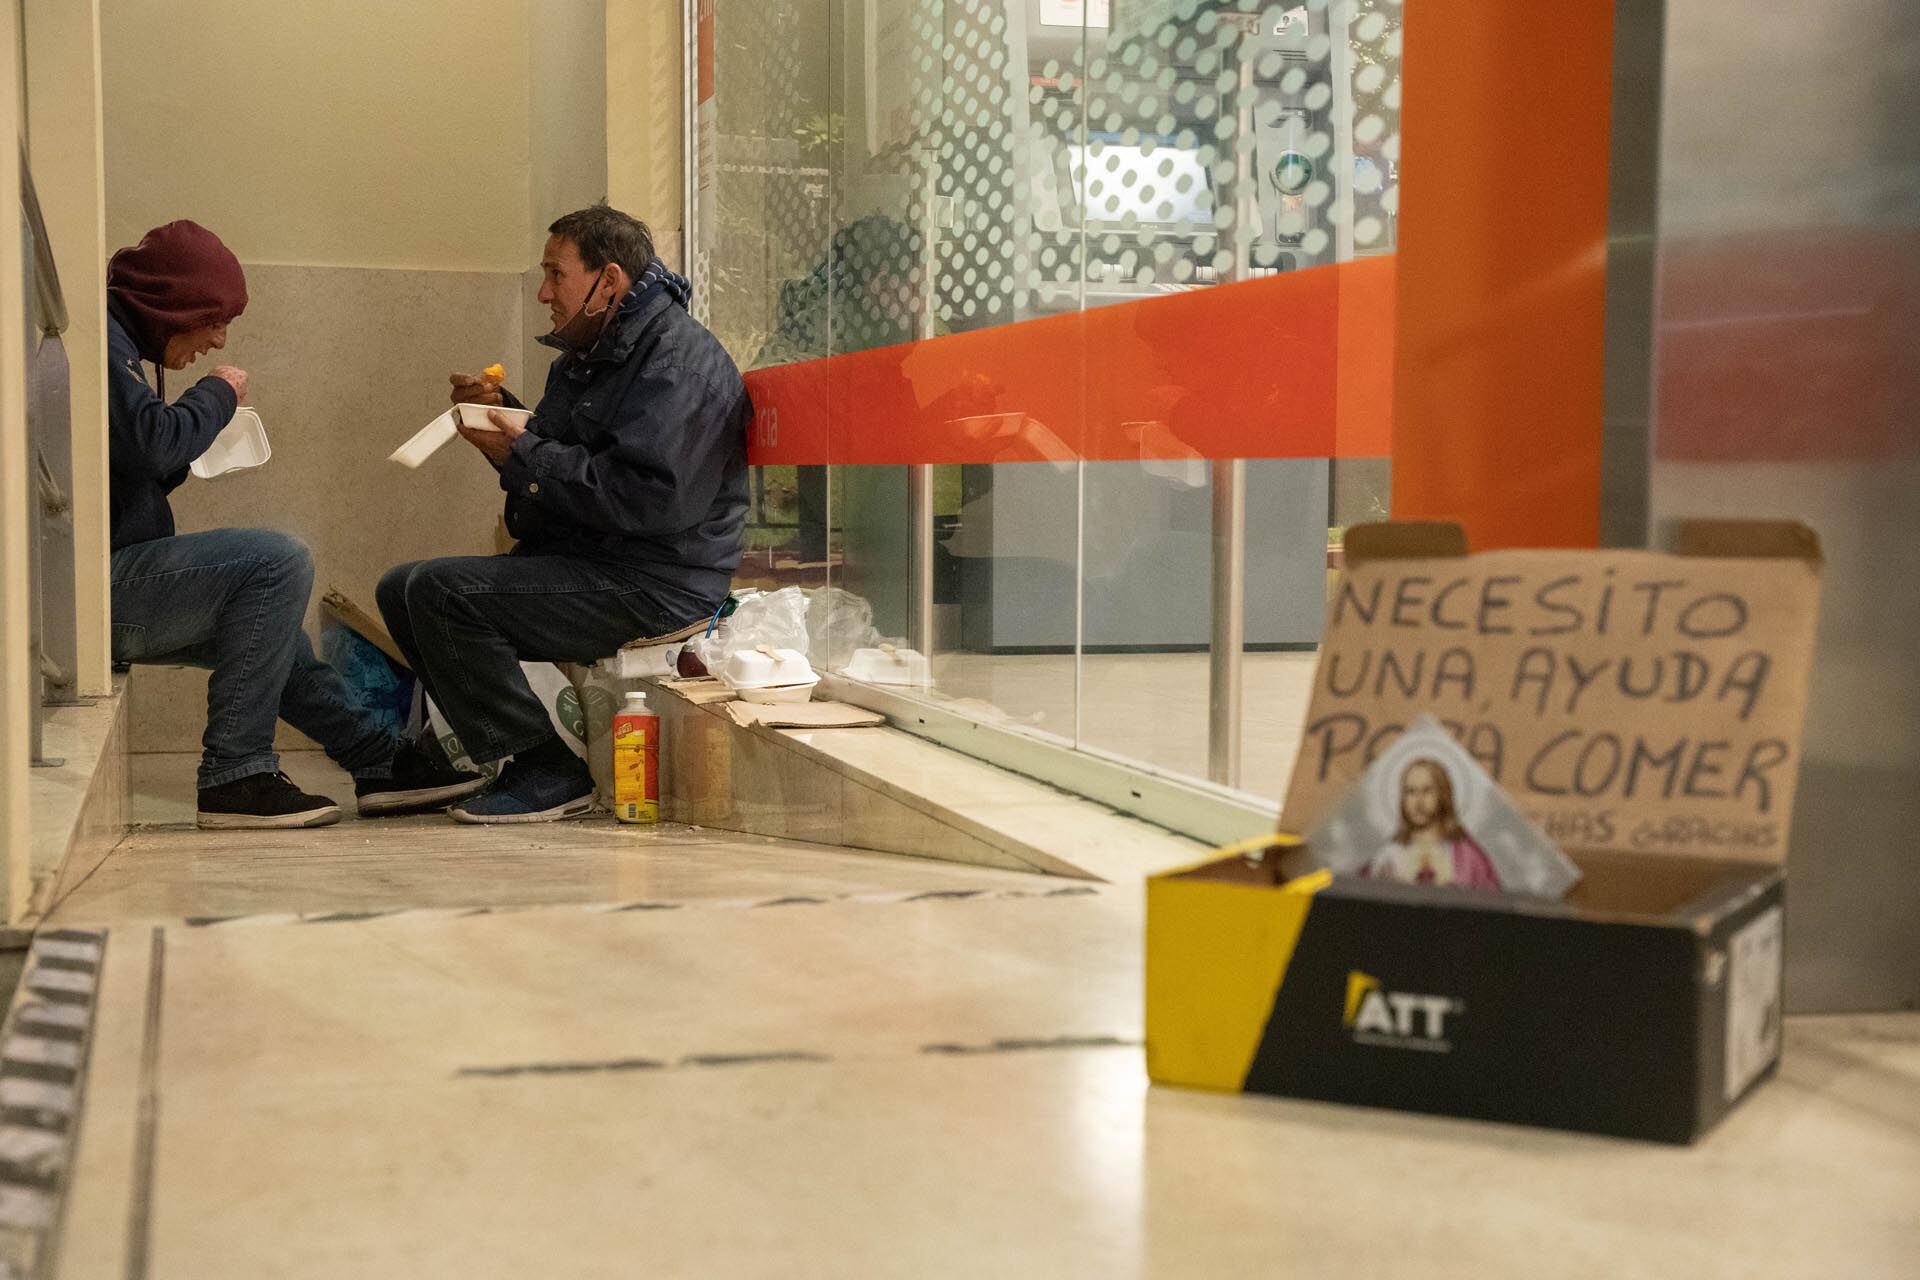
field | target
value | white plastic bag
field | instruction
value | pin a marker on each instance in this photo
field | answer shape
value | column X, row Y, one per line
column 656, row 662
column 777, row 620
column 839, row 624
column 564, row 708
column 600, row 692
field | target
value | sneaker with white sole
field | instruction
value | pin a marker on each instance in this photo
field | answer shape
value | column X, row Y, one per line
column 527, row 791
column 263, row 802
column 422, row 780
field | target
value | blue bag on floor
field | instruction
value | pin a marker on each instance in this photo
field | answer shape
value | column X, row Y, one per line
column 382, row 686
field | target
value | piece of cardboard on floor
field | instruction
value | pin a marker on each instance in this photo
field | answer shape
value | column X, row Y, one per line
column 1646, row 709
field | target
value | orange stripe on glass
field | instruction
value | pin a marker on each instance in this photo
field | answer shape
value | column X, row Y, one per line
column 1505, row 139
column 1297, row 365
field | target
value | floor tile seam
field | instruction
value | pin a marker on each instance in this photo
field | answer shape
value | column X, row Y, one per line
column 463, row 846
column 798, row 1057
column 783, row 1054
column 1074, row 889
column 157, row 839
column 146, row 1138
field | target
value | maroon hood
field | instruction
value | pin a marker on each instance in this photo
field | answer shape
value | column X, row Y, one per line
column 177, row 279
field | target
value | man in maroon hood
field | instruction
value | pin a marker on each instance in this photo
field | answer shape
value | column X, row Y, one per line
column 231, row 600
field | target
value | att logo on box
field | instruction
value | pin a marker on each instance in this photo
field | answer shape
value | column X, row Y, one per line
column 1397, row 1019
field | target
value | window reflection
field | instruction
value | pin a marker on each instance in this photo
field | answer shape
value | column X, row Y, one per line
column 899, row 174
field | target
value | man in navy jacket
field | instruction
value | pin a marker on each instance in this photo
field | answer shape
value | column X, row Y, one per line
column 627, row 493
column 231, row 600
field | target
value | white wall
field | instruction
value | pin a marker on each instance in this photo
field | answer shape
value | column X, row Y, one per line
column 644, row 105
column 357, row 133
column 567, row 125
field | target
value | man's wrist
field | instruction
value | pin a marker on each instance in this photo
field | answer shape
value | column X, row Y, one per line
column 517, row 474
column 228, row 393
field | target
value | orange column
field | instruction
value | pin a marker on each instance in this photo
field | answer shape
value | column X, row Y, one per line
column 1501, row 279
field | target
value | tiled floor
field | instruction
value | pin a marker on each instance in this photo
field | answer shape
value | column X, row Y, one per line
column 798, row 1062
column 167, row 870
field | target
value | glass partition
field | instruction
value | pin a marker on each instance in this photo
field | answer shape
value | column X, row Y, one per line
column 1015, row 279
column 765, row 247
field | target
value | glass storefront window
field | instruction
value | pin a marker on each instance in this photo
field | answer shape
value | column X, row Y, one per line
column 1014, row 279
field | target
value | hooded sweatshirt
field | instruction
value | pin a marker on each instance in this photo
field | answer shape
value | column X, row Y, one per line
column 177, row 279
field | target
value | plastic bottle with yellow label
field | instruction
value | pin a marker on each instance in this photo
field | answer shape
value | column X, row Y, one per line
column 636, row 762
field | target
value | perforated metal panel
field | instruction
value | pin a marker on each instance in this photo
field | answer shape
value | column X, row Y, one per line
column 1010, row 168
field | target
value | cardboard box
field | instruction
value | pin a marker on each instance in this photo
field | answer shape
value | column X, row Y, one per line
column 1645, row 709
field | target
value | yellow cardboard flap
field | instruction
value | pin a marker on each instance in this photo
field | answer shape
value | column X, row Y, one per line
column 1216, row 953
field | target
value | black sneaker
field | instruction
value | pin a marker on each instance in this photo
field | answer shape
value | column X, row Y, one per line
column 263, row 802
column 422, row 779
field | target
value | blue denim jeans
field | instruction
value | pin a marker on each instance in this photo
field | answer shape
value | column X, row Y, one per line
column 235, row 602
column 466, row 623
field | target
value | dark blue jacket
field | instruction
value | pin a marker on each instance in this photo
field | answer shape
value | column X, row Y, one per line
column 150, row 443
column 637, row 454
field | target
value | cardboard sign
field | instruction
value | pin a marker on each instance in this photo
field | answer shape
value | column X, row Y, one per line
column 1626, row 700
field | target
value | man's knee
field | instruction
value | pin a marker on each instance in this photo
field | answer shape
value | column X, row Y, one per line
column 413, row 593
column 390, row 596
column 436, row 584
column 282, row 555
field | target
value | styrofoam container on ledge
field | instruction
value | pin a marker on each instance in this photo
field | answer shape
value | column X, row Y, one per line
column 240, row 446
column 888, row 665
column 780, row 693
column 769, row 675
column 762, row 666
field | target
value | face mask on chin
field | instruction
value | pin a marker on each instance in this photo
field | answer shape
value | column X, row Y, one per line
column 583, row 328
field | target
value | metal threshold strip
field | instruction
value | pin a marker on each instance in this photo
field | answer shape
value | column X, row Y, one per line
column 1186, row 806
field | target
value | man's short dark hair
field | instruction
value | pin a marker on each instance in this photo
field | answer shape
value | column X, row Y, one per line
column 602, row 234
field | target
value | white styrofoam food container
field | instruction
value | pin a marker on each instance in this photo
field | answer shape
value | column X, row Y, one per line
column 474, row 416
column 240, row 446
column 780, row 693
column 429, row 439
column 763, row 667
column 764, row 674
column 888, row 665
